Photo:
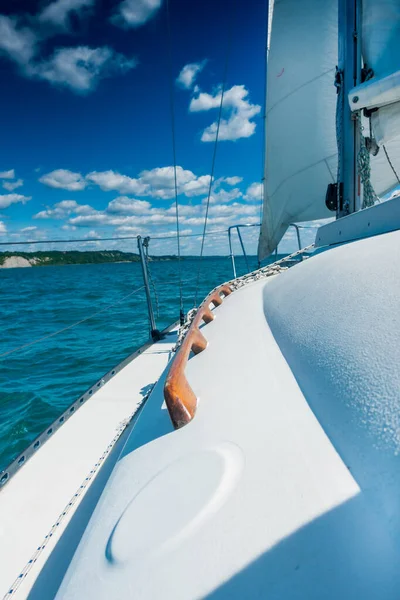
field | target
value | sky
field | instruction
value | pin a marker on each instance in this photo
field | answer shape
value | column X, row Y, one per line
column 86, row 130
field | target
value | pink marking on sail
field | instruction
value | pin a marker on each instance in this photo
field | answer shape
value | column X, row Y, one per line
column 282, row 72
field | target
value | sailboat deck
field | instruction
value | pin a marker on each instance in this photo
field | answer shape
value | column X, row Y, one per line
column 83, row 450
column 250, row 499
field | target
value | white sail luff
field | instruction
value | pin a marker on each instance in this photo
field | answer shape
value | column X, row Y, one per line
column 301, row 152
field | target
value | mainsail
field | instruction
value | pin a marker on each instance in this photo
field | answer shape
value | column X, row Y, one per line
column 301, row 150
column 381, row 53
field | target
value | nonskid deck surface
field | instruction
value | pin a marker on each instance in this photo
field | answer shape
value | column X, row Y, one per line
column 250, row 500
column 38, row 494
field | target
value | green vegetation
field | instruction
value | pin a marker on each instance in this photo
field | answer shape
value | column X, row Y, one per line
column 72, row 257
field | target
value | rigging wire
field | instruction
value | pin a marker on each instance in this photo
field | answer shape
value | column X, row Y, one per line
column 106, row 239
column 264, row 118
column 225, row 74
column 390, row 162
column 173, row 139
column 50, row 335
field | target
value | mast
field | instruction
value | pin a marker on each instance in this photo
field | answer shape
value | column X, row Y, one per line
column 348, row 129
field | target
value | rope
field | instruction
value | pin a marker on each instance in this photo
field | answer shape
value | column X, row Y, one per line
column 172, row 109
column 229, row 45
column 50, row 335
column 364, row 170
column 390, row 163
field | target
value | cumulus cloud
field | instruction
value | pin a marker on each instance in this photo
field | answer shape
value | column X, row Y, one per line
column 158, row 182
column 223, row 196
column 58, row 13
column 18, row 43
column 7, row 174
column 254, row 192
column 64, row 180
column 128, row 206
column 12, row 185
column 239, row 110
column 188, row 75
column 113, row 181
column 135, row 13
column 232, row 180
column 81, row 68
column 3, row 228
column 63, row 209
column 7, row 199
column 78, row 68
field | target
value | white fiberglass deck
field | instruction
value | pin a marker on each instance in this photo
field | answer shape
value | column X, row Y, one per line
column 251, row 499
column 40, row 491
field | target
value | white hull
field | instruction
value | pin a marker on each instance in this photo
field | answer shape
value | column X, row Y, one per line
column 285, row 484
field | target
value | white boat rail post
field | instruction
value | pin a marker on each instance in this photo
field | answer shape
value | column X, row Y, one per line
column 348, row 131
column 154, row 332
column 232, row 255
column 297, row 228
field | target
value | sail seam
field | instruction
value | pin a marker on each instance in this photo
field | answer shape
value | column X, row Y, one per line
column 301, row 171
column 299, row 88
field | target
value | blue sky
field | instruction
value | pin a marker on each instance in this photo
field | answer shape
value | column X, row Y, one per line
column 86, row 131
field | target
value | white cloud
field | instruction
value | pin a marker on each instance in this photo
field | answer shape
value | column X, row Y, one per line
column 240, row 112
column 7, row 199
column 232, row 180
column 12, row 185
column 254, row 192
column 223, row 196
column 78, row 68
column 58, row 13
column 188, row 75
column 7, row 174
column 112, row 181
column 135, row 13
column 64, row 180
column 3, row 228
column 63, row 209
column 128, row 206
column 158, row 182
column 28, row 229
column 17, row 43
column 81, row 68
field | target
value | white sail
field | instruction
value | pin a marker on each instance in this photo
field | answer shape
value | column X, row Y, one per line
column 381, row 52
column 301, row 151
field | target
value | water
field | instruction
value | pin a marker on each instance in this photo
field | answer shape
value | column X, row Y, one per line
column 39, row 382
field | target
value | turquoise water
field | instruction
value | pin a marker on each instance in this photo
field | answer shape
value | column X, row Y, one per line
column 39, row 382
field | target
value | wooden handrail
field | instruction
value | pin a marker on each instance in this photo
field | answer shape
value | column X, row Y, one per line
column 179, row 397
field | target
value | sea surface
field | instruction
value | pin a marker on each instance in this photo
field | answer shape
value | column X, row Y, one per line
column 39, row 382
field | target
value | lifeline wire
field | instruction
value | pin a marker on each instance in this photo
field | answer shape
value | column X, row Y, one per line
column 214, row 154
column 50, row 335
column 172, row 109
column 106, row 239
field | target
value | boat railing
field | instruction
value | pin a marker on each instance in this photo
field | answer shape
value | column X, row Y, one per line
column 240, row 226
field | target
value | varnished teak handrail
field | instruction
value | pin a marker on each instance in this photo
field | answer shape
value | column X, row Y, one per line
column 179, row 397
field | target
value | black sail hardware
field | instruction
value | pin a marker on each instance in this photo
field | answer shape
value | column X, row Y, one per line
column 331, row 198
